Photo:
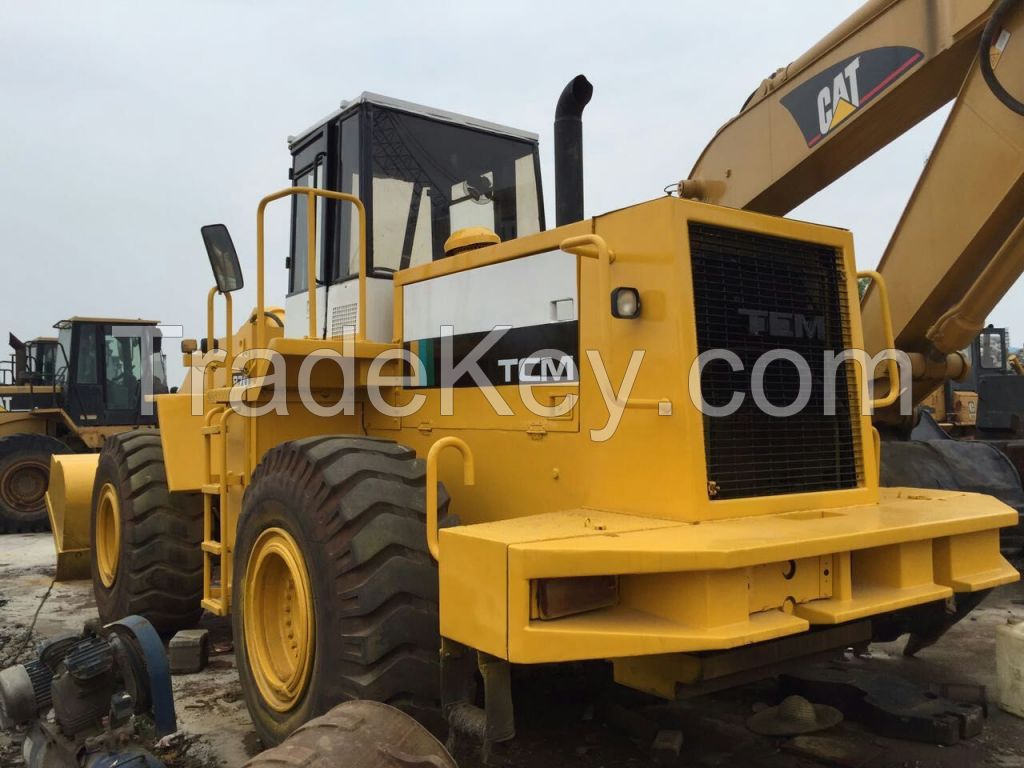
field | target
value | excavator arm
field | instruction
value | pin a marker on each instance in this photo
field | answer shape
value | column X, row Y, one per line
column 959, row 245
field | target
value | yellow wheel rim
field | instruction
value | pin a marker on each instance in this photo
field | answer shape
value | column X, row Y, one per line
column 277, row 619
column 108, row 534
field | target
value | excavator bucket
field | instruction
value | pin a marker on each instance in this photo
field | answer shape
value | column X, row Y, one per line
column 69, row 504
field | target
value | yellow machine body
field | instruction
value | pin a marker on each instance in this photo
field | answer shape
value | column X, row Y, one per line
column 635, row 515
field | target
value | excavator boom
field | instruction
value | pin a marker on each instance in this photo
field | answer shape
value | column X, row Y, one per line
column 959, row 244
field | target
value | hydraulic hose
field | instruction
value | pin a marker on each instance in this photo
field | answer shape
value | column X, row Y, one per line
column 988, row 39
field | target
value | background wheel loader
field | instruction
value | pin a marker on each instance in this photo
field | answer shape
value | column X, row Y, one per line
column 686, row 546
column 987, row 407
column 957, row 407
column 988, row 404
column 67, row 395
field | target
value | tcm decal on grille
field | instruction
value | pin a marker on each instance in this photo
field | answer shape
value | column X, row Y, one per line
column 516, row 321
column 829, row 98
column 784, row 325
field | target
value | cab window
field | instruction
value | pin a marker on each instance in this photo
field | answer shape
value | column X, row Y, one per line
column 993, row 351
column 45, row 363
column 432, row 178
column 86, row 368
column 346, row 253
column 312, row 177
column 123, row 371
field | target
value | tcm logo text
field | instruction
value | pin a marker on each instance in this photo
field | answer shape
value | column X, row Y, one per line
column 784, row 325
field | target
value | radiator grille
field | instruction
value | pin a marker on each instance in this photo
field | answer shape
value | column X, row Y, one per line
column 753, row 294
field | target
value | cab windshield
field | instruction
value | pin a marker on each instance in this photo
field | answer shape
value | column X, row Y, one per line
column 432, row 178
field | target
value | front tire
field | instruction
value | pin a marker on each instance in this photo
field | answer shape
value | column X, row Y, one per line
column 24, row 476
column 146, row 556
column 334, row 593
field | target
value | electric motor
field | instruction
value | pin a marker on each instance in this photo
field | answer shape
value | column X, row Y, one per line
column 95, row 684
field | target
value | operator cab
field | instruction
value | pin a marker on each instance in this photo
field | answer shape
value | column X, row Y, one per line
column 42, row 357
column 31, row 364
column 988, row 355
column 422, row 174
column 1000, row 392
column 27, row 378
column 103, row 366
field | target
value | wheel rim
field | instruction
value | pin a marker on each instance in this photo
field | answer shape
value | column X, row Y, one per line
column 24, row 485
column 108, row 534
column 277, row 619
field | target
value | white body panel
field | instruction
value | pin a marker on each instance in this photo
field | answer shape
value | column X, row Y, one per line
column 524, row 292
column 343, row 310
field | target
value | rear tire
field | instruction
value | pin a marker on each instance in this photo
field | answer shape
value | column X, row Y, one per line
column 24, row 477
column 353, row 509
column 145, row 556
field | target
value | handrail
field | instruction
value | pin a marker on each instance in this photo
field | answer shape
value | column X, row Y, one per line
column 311, row 195
column 892, row 368
column 595, row 247
column 468, row 478
column 229, row 335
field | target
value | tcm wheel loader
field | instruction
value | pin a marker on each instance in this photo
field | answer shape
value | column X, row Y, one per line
column 67, row 395
column 477, row 442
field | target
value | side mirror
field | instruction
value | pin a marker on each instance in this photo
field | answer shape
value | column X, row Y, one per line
column 223, row 258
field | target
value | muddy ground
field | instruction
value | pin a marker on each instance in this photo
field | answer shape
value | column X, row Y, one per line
column 566, row 718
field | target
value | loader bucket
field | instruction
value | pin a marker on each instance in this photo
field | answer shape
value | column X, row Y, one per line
column 69, row 504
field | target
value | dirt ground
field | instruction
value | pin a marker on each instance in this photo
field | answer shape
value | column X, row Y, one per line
column 564, row 718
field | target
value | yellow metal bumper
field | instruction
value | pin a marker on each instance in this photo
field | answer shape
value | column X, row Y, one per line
column 714, row 585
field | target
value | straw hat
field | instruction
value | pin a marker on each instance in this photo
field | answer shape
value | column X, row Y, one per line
column 793, row 716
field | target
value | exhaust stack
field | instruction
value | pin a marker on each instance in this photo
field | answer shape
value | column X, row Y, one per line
column 569, row 150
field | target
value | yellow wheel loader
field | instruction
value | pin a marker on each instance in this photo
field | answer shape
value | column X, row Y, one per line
column 67, row 395
column 522, row 445
column 515, row 448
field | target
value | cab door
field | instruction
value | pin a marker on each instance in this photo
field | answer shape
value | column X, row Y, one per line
column 84, row 399
column 126, row 368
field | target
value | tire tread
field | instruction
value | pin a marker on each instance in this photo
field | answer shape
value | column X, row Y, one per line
column 160, row 572
column 366, row 499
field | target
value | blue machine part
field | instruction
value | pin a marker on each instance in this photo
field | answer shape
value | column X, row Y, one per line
column 158, row 670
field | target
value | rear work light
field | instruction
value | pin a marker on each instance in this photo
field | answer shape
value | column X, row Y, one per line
column 557, row 598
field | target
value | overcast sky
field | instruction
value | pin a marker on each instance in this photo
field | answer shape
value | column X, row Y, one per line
column 128, row 125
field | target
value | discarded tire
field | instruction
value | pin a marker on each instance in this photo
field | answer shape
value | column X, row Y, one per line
column 358, row 734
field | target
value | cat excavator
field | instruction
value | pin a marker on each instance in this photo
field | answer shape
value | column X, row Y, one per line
column 959, row 244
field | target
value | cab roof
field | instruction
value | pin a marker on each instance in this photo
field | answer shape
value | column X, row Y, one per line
column 415, row 109
column 106, row 321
